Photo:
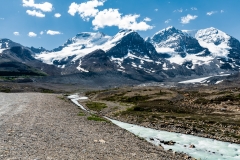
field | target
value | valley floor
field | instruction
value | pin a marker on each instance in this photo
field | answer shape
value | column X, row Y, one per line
column 211, row 112
column 48, row 126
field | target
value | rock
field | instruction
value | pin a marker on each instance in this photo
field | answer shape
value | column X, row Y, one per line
column 102, row 141
column 161, row 147
column 223, row 109
column 152, row 139
column 192, row 146
column 169, row 142
column 187, row 157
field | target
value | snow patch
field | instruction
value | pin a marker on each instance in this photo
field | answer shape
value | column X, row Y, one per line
column 219, row 82
column 198, row 80
column 165, row 50
column 1, row 50
column 81, row 69
column 200, row 60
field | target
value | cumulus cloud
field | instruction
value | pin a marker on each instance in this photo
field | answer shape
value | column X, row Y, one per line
column 41, row 33
column 16, row 33
column 188, row 18
column 85, row 10
column 35, row 13
column 112, row 17
column 45, row 7
column 147, row 19
column 107, row 17
column 211, row 13
column 52, row 33
column 57, row 15
column 32, row 34
column 167, row 21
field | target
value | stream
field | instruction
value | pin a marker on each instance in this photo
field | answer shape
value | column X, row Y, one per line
column 197, row 147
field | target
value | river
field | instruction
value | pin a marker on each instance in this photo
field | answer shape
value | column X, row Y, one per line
column 197, row 147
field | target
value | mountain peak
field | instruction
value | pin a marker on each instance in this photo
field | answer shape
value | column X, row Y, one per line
column 170, row 28
column 125, row 31
column 216, row 40
column 121, row 34
column 7, row 43
column 212, row 35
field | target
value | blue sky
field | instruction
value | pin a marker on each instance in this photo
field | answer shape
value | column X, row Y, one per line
column 49, row 23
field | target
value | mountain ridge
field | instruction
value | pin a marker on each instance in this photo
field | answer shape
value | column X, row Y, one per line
column 168, row 53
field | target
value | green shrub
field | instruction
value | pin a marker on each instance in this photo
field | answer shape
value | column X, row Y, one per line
column 96, row 118
column 96, row 106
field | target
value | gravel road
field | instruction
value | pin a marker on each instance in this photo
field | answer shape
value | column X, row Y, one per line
column 36, row 126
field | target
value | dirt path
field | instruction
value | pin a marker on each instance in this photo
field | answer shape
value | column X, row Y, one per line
column 44, row 126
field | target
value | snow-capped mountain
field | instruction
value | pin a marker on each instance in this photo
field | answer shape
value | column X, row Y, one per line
column 127, row 49
column 175, row 42
column 180, row 47
column 168, row 53
column 222, row 46
column 74, row 48
column 206, row 47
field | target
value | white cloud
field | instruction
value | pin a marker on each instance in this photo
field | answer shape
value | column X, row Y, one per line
column 86, row 10
column 35, row 13
column 156, row 9
column 41, row 32
column 1, row 18
column 167, row 21
column 45, row 7
column 211, row 13
column 50, row 32
column 107, row 17
column 32, row 34
column 57, row 15
column 147, row 19
column 178, row 10
column 194, row 8
column 16, row 33
column 222, row 11
column 188, row 18
column 112, row 17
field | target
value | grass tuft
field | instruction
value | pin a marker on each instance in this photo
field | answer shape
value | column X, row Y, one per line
column 94, row 117
column 96, row 106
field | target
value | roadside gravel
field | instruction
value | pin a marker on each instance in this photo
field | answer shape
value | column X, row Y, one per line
column 47, row 126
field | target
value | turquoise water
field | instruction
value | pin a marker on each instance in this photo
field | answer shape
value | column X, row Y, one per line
column 205, row 148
